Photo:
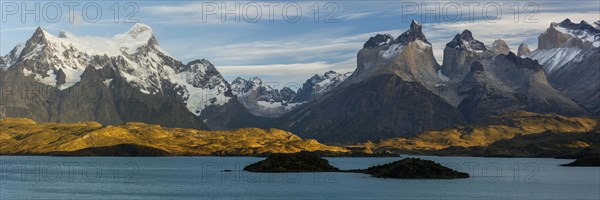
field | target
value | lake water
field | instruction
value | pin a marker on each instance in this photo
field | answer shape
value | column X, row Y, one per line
column 40, row 177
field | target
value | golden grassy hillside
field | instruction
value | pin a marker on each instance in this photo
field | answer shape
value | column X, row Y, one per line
column 24, row 136
column 493, row 129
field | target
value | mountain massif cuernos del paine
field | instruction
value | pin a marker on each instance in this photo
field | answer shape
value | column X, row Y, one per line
column 398, row 88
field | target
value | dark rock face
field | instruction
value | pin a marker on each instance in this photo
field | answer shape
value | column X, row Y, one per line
column 312, row 89
column 477, row 67
column 579, row 80
column 414, row 168
column 466, row 40
column 414, row 33
column 510, row 83
column 378, row 40
column 60, row 77
column 90, row 100
column 297, row 162
column 287, row 94
column 461, row 52
column 586, row 161
column 382, row 107
column 526, row 63
column 484, row 96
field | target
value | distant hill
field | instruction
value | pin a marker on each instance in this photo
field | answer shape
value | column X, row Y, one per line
column 507, row 130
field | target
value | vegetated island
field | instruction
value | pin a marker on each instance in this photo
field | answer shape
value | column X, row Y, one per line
column 414, row 168
column 294, row 162
column 592, row 160
column 408, row 168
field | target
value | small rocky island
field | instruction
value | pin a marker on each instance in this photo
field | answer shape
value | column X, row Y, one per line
column 592, row 160
column 292, row 162
column 414, row 168
column 408, row 168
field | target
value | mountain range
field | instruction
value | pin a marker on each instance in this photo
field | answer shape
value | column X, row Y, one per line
column 397, row 90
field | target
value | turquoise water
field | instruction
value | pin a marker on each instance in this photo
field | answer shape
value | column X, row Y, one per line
column 39, row 177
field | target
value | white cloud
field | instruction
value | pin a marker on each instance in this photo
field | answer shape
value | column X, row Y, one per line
column 27, row 29
column 230, row 12
column 298, row 49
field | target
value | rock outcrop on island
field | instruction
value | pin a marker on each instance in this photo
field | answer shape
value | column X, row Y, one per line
column 408, row 168
column 297, row 162
column 414, row 168
column 586, row 161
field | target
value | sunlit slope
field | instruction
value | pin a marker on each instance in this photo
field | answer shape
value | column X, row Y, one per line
column 24, row 136
column 493, row 129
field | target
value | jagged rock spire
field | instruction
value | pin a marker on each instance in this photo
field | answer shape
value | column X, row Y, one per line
column 465, row 40
column 500, row 47
column 466, row 35
column 523, row 50
column 378, row 40
column 414, row 33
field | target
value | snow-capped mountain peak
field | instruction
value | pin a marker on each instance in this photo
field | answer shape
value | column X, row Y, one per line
column 563, row 42
column 378, row 40
column 136, row 57
column 139, row 29
column 412, row 34
column 261, row 99
column 65, row 34
column 583, row 31
column 466, row 41
column 318, row 85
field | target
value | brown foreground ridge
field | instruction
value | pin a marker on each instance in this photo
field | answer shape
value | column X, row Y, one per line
column 510, row 129
column 26, row 137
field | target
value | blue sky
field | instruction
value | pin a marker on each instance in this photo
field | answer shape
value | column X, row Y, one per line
column 271, row 42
